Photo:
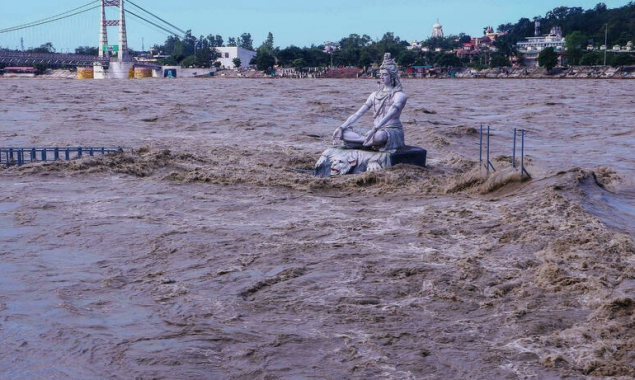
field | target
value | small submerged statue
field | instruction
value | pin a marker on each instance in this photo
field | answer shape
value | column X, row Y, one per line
column 377, row 147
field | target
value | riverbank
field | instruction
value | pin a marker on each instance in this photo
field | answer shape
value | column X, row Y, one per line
column 571, row 72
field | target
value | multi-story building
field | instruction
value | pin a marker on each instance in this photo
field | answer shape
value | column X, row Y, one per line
column 532, row 47
column 229, row 53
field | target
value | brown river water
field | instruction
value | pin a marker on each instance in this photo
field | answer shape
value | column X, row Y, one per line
column 206, row 255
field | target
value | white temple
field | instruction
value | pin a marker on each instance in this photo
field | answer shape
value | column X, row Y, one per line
column 437, row 30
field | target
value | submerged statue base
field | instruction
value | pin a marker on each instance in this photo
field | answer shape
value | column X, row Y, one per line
column 341, row 160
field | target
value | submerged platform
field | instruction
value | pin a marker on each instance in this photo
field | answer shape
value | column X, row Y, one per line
column 341, row 160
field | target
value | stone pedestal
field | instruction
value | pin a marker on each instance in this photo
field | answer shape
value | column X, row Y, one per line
column 341, row 160
column 409, row 155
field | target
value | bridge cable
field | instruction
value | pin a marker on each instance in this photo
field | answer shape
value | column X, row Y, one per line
column 155, row 16
column 150, row 22
column 52, row 18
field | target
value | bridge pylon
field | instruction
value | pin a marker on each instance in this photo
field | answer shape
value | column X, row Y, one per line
column 123, row 65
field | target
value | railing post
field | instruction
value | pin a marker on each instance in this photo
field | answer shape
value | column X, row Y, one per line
column 480, row 148
column 67, row 154
column 79, row 152
column 44, row 154
column 522, row 153
column 487, row 153
column 20, row 158
column 514, row 151
column 56, row 153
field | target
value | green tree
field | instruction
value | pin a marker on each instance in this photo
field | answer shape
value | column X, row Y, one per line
column 189, row 43
column 315, row 57
column 245, row 41
column 206, row 53
column 506, row 46
column 269, row 41
column 231, row 41
column 287, row 55
column 575, row 43
column 407, row 58
column 448, row 59
column 87, row 50
column 44, row 48
column 364, row 59
column 390, row 43
column 263, row 60
column 498, row 60
column 622, row 59
column 189, row 61
column 299, row 64
column 591, row 58
column 236, row 61
column 169, row 61
column 548, row 58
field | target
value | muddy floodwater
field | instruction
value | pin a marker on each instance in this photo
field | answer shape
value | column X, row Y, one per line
column 207, row 254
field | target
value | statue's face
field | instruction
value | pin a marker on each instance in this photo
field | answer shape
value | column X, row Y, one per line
column 384, row 77
column 342, row 165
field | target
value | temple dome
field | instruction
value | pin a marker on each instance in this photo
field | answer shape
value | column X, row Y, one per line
column 437, row 29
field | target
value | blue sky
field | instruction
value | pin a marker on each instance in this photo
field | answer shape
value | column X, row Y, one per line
column 292, row 22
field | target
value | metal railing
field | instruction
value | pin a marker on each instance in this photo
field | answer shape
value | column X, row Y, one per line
column 20, row 155
column 488, row 163
column 522, row 154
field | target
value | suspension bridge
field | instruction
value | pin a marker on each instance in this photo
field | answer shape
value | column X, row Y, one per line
column 112, row 60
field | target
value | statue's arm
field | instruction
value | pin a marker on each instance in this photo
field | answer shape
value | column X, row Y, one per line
column 337, row 135
column 361, row 111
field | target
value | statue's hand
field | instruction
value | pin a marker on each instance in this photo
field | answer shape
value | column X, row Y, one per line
column 368, row 141
column 337, row 135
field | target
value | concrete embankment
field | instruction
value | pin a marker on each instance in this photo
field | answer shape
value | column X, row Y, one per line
column 571, row 72
column 583, row 72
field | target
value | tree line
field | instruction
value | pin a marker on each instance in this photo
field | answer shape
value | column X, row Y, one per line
column 580, row 27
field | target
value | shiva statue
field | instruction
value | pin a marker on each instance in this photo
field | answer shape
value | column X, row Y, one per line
column 387, row 103
column 381, row 146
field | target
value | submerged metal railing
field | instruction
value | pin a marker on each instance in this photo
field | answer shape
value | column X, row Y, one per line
column 522, row 154
column 20, row 155
column 488, row 163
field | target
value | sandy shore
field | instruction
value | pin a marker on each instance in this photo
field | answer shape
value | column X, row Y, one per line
column 205, row 255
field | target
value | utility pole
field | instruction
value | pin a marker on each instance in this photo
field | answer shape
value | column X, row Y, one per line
column 606, row 46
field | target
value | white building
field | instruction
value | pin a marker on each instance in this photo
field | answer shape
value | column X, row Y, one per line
column 532, row 47
column 228, row 53
column 437, row 30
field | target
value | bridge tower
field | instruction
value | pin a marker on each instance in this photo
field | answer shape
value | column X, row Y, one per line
column 120, row 68
column 103, row 31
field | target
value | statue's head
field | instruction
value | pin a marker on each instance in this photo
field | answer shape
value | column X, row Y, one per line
column 391, row 68
column 343, row 165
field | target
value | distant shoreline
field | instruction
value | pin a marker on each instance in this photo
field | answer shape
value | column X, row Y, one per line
column 571, row 72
